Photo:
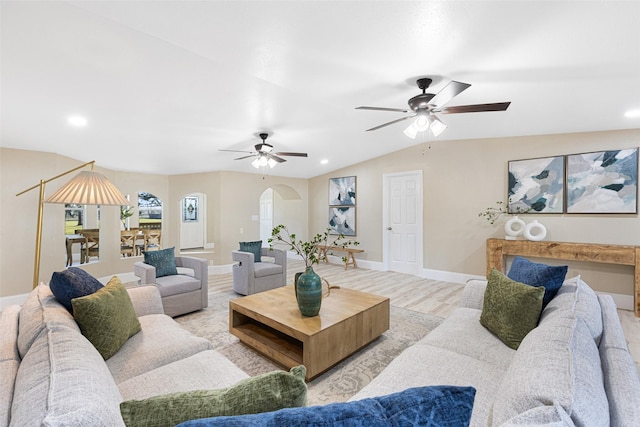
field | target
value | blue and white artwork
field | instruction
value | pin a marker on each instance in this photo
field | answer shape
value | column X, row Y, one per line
column 536, row 185
column 603, row 182
column 342, row 191
column 342, row 220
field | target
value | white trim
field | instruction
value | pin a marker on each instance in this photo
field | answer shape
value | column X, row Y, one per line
column 447, row 276
column 624, row 302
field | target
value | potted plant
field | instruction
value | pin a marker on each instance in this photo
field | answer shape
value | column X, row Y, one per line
column 308, row 285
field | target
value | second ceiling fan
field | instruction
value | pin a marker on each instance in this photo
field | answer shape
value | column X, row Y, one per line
column 264, row 155
column 426, row 105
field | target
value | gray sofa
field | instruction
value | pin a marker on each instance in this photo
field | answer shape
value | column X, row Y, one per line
column 573, row 369
column 182, row 293
column 50, row 374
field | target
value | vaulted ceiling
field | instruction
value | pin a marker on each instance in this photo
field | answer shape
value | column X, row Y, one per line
column 164, row 85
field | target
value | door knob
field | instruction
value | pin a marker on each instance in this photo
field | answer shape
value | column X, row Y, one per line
column 389, row 228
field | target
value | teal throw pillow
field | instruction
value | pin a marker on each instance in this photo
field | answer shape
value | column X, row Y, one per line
column 163, row 260
column 535, row 274
column 253, row 247
column 263, row 393
column 106, row 317
column 435, row 406
column 72, row 283
column 511, row 309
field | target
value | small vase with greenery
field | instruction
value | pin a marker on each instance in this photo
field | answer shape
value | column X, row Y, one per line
column 308, row 286
column 493, row 213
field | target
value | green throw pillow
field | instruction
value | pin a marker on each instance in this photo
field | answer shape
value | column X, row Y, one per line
column 254, row 248
column 163, row 260
column 263, row 393
column 511, row 309
column 106, row 317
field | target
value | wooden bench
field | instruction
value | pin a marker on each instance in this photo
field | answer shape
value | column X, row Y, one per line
column 350, row 251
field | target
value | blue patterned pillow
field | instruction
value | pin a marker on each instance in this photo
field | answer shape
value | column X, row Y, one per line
column 254, row 248
column 535, row 274
column 163, row 260
column 433, row 406
column 72, row 283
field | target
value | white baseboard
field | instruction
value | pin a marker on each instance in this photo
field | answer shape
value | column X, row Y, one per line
column 624, row 302
column 447, row 276
column 220, row 269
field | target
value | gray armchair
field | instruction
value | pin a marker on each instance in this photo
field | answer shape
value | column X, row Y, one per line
column 182, row 293
column 251, row 277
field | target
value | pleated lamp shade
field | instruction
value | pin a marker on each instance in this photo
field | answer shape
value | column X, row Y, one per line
column 89, row 188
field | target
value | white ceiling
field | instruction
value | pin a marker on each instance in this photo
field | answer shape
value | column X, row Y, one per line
column 165, row 84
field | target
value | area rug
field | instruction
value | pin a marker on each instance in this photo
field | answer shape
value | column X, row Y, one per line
column 337, row 384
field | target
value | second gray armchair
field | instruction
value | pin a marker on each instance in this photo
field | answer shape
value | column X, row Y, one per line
column 250, row 277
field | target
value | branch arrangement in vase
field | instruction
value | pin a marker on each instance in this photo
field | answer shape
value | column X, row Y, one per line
column 308, row 250
column 493, row 213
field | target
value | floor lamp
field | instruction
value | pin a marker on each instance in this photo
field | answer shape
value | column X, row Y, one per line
column 86, row 188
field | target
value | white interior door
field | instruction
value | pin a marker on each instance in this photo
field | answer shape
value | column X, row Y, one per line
column 402, row 220
column 266, row 216
column 192, row 221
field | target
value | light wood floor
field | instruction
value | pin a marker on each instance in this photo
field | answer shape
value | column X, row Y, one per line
column 414, row 293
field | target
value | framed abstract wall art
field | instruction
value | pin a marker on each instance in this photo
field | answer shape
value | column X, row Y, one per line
column 536, row 185
column 603, row 182
column 342, row 220
column 342, row 191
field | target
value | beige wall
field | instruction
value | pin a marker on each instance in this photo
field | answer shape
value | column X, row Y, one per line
column 461, row 179
column 232, row 200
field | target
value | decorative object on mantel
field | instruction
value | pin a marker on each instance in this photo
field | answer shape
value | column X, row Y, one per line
column 535, row 231
column 514, row 228
column 308, row 286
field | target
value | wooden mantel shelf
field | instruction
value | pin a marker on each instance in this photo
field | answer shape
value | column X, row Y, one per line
column 498, row 249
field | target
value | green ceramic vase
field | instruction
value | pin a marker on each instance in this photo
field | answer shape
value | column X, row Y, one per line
column 309, row 293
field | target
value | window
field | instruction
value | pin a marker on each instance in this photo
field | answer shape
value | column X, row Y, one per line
column 74, row 218
column 149, row 211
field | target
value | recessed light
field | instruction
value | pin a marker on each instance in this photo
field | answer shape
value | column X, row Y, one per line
column 324, row 161
column 77, row 121
column 632, row 114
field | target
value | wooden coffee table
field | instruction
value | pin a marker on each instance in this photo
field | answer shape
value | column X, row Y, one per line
column 270, row 322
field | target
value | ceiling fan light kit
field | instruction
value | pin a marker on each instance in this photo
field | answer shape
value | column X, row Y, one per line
column 263, row 154
column 426, row 105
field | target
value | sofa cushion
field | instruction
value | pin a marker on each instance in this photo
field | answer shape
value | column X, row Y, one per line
column 536, row 274
column 575, row 297
column 264, row 269
column 161, row 341
column 557, row 364
column 432, row 406
column 178, row 284
column 72, row 283
column 207, row 370
column 9, row 359
column 263, row 393
column 164, row 261
column 39, row 308
column 63, row 381
column 254, row 247
column 511, row 309
column 106, row 317
column 621, row 385
column 424, row 365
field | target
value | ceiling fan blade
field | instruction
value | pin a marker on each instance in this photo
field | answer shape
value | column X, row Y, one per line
column 447, row 93
column 398, row 110
column 245, row 157
column 291, row 154
column 238, row 151
column 390, row 123
column 276, row 158
column 476, row 108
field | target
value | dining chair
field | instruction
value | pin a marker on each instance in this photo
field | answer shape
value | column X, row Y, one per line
column 153, row 240
column 127, row 242
column 92, row 247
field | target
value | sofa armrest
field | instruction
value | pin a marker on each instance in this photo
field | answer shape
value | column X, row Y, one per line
column 146, row 273
column 198, row 265
column 473, row 294
column 244, row 259
column 280, row 256
column 146, row 300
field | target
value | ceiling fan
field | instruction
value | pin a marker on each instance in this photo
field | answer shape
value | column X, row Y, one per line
column 264, row 155
column 426, row 105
